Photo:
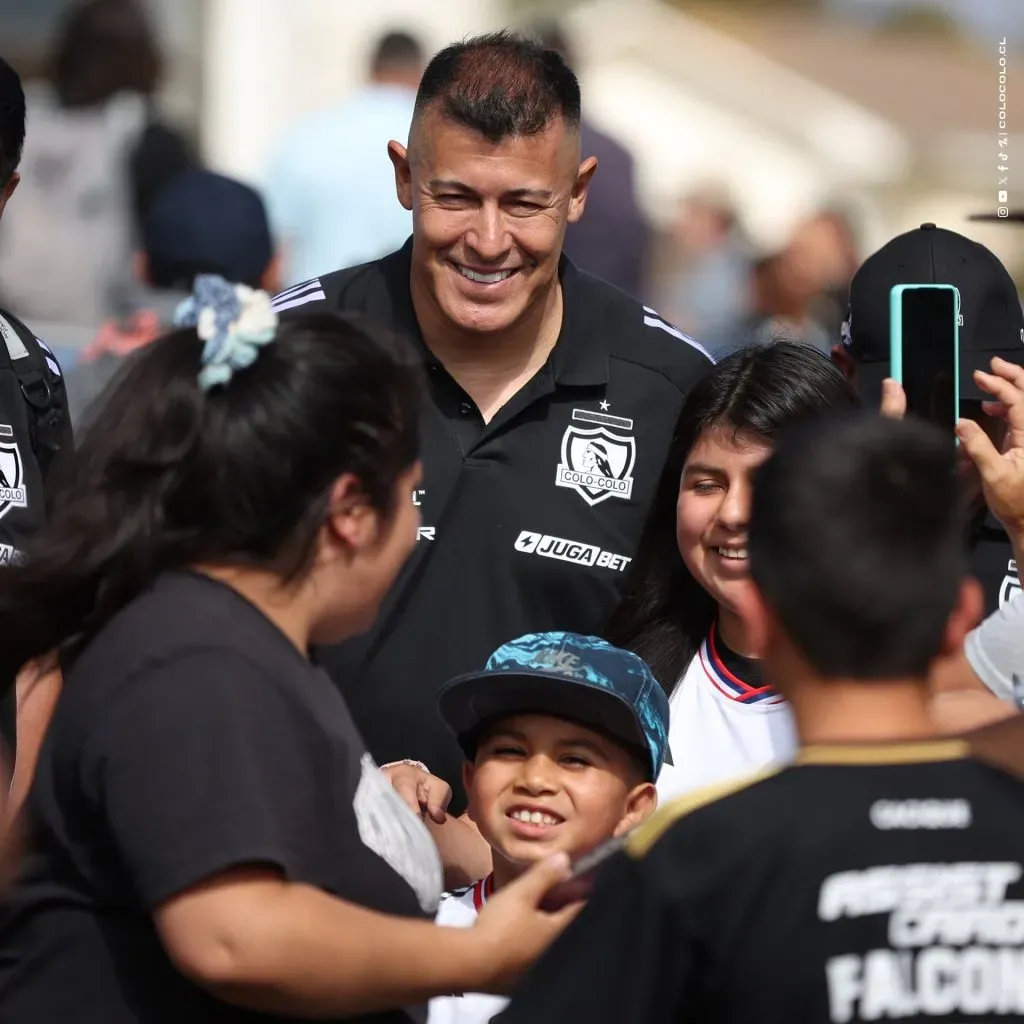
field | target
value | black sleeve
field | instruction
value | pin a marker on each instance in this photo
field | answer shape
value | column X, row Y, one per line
column 202, row 765
column 622, row 959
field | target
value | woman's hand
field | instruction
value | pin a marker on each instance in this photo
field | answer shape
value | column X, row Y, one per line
column 426, row 794
column 513, row 928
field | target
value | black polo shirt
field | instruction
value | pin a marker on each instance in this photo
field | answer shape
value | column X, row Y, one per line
column 992, row 561
column 861, row 883
column 529, row 521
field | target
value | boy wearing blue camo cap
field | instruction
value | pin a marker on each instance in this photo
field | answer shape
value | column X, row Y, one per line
column 564, row 737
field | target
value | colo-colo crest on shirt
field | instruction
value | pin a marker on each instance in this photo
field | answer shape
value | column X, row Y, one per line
column 12, row 473
column 597, row 461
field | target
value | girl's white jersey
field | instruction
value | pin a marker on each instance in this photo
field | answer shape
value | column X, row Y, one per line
column 721, row 727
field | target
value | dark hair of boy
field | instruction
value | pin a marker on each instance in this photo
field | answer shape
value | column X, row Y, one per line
column 856, row 544
column 536, row 86
column 757, row 392
column 169, row 476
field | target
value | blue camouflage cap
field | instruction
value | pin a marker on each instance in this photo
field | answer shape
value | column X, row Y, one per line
column 567, row 675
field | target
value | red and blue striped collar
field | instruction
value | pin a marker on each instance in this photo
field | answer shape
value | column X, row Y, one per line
column 727, row 682
column 482, row 891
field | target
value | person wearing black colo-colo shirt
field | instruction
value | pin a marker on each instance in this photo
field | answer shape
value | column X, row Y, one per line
column 552, row 396
column 881, row 874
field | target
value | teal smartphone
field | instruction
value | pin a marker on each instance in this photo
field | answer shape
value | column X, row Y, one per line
column 924, row 349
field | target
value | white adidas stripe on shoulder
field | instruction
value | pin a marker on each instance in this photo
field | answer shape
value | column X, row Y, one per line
column 51, row 359
column 299, row 295
column 313, row 282
column 653, row 319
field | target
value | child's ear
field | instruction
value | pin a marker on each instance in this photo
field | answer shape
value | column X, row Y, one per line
column 640, row 805
column 468, row 774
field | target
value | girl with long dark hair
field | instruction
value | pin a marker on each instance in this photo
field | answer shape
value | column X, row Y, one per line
column 679, row 611
column 206, row 837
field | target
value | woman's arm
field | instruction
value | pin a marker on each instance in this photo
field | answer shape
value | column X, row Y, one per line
column 252, row 939
column 464, row 852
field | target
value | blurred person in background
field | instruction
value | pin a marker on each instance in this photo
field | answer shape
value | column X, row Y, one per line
column 826, row 243
column 329, row 186
column 96, row 155
column 198, row 223
column 612, row 240
column 551, row 395
column 799, row 293
column 680, row 612
column 709, row 294
column 35, row 428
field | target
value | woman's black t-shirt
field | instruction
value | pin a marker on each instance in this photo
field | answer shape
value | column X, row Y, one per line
column 191, row 737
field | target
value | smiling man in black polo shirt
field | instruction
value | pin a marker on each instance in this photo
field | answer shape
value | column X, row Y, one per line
column 992, row 324
column 552, row 395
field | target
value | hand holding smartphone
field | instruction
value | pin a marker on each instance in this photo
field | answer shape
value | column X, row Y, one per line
column 584, row 872
column 924, row 340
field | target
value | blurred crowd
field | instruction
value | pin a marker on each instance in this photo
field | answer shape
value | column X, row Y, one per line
column 113, row 195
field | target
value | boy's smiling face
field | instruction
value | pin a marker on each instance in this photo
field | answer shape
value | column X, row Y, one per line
column 541, row 785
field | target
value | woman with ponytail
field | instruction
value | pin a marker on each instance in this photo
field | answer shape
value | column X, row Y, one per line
column 206, row 838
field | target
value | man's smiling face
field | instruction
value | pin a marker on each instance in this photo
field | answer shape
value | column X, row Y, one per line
column 488, row 217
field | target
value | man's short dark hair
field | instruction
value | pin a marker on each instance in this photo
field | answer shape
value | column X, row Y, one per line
column 501, row 85
column 856, row 543
column 396, row 50
column 12, row 121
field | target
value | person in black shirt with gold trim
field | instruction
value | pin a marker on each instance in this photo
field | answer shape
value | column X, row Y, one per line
column 882, row 874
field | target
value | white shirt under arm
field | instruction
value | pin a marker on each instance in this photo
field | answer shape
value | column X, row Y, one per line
column 995, row 650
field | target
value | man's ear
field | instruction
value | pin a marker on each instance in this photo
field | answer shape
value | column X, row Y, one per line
column 8, row 190
column 640, row 805
column 271, row 278
column 399, row 157
column 578, row 198
column 844, row 361
column 966, row 614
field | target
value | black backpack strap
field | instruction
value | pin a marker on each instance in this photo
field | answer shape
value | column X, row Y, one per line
column 41, row 387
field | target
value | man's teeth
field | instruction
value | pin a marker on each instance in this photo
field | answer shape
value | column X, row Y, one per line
column 534, row 817
column 494, row 278
column 732, row 552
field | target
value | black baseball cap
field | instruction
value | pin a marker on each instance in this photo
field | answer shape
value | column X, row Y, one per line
column 992, row 318
column 206, row 220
